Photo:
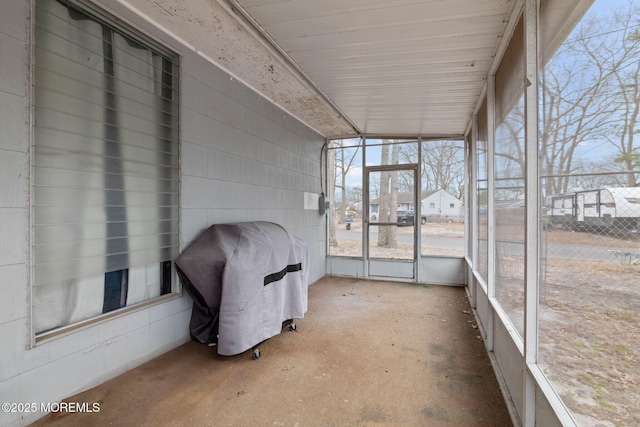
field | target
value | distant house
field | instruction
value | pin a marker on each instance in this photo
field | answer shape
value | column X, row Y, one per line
column 440, row 204
column 405, row 203
column 434, row 204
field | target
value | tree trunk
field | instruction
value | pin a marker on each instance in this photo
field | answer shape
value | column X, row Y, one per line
column 393, row 199
column 388, row 197
column 331, row 184
column 383, row 211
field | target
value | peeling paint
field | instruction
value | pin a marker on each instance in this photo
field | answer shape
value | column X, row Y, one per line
column 217, row 35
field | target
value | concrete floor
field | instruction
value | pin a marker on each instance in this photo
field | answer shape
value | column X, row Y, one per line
column 367, row 353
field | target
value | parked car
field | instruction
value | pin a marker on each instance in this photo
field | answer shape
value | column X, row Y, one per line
column 404, row 217
column 407, row 217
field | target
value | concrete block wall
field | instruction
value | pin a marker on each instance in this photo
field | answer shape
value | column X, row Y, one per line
column 242, row 159
column 245, row 159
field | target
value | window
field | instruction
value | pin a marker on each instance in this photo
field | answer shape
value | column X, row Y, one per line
column 588, row 306
column 442, row 183
column 344, row 168
column 510, row 185
column 105, row 167
column 482, row 194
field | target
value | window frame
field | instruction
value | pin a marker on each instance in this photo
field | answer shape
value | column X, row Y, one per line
column 168, row 275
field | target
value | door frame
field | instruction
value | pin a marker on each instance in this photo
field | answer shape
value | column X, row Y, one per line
column 396, row 266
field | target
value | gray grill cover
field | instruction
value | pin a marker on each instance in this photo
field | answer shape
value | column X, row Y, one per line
column 245, row 280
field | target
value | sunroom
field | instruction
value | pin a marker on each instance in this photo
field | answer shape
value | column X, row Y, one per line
column 483, row 144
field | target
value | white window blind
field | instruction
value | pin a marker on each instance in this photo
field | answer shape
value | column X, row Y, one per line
column 105, row 165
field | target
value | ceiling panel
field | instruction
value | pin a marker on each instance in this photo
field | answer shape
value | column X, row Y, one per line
column 396, row 67
column 399, row 67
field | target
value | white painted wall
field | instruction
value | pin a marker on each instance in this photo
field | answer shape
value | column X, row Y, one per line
column 242, row 159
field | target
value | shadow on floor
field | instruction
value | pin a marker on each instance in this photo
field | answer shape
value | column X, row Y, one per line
column 367, row 353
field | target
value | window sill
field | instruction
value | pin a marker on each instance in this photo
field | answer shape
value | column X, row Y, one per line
column 70, row 329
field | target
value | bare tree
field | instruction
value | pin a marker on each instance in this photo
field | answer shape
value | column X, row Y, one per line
column 388, row 196
column 341, row 157
column 331, row 179
column 443, row 166
column 509, row 147
column 383, row 212
column 591, row 95
column 344, row 157
column 589, row 174
column 407, row 154
column 354, row 195
column 624, row 51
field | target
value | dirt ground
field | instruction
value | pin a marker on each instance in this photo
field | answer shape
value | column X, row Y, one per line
column 589, row 324
column 353, row 248
column 589, row 333
column 589, row 336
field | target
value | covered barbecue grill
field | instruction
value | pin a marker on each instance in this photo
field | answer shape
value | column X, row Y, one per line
column 246, row 280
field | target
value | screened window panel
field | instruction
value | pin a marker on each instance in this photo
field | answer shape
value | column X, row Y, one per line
column 345, row 194
column 509, row 183
column 106, row 166
column 442, row 175
column 589, row 252
column 482, row 192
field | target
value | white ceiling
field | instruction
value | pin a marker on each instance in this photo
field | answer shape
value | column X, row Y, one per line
column 392, row 67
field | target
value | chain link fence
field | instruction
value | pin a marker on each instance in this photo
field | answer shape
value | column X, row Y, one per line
column 589, row 299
